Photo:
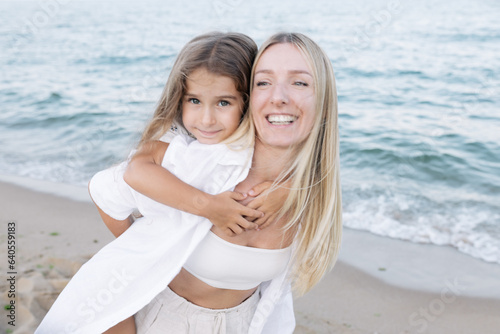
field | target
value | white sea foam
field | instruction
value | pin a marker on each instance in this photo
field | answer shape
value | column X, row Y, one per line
column 421, row 221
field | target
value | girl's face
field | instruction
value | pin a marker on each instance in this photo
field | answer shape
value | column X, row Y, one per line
column 283, row 97
column 211, row 107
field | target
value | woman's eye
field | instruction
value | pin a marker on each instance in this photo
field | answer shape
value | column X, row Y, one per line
column 262, row 83
column 193, row 100
column 301, row 83
column 224, row 103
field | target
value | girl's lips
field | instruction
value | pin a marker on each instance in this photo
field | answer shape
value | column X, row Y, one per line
column 209, row 133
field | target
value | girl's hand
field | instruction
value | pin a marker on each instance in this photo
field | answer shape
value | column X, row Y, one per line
column 224, row 211
column 269, row 202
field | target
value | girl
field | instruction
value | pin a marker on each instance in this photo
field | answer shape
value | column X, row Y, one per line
column 206, row 93
column 233, row 60
column 211, row 109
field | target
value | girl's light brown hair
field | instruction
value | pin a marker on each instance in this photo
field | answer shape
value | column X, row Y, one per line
column 226, row 54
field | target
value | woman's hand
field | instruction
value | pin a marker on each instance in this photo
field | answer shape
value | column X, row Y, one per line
column 224, row 211
column 268, row 202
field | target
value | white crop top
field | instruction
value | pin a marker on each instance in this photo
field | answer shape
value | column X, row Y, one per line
column 225, row 265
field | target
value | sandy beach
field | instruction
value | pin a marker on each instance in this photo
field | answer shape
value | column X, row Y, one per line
column 379, row 285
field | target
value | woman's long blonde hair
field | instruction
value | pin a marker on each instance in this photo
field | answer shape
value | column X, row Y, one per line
column 314, row 204
column 227, row 54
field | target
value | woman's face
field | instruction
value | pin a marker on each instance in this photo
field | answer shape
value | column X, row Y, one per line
column 283, row 99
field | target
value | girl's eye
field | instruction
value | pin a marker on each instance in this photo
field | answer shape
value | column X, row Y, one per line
column 262, row 83
column 193, row 100
column 223, row 103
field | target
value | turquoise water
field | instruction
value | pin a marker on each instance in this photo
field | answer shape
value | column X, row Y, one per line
column 418, row 88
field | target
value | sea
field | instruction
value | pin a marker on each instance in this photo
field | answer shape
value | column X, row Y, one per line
column 418, row 85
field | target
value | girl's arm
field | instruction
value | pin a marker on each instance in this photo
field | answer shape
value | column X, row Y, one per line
column 117, row 227
column 113, row 199
column 145, row 174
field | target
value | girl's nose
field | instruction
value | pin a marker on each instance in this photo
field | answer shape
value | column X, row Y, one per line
column 208, row 117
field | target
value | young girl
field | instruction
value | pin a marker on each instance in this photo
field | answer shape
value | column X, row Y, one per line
column 144, row 172
column 211, row 112
column 206, row 94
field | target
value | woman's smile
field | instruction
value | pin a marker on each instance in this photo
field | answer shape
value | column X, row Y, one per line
column 281, row 119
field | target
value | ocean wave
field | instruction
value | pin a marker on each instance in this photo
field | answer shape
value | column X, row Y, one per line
column 487, row 36
column 44, row 120
column 422, row 220
column 53, row 97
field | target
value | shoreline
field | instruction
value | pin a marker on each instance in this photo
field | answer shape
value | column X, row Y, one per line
column 378, row 285
column 424, row 267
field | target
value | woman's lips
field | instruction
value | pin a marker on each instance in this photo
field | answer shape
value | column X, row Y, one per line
column 281, row 119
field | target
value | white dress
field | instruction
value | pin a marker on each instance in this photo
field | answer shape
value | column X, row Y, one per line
column 129, row 272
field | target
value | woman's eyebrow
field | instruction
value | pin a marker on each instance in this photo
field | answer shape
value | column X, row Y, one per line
column 263, row 71
column 300, row 72
column 290, row 71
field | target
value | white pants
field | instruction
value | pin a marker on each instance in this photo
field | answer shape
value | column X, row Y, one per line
column 170, row 313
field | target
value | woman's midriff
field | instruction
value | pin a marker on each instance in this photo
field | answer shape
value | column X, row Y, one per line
column 199, row 293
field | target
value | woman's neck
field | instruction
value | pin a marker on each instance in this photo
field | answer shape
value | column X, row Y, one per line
column 269, row 162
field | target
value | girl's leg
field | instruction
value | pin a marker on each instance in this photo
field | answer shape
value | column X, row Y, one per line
column 127, row 326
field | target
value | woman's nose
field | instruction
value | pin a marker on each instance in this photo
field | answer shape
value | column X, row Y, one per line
column 279, row 95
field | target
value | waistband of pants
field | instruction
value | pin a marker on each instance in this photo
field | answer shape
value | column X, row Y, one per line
column 247, row 304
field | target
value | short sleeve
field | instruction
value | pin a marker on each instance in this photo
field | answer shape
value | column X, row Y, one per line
column 111, row 193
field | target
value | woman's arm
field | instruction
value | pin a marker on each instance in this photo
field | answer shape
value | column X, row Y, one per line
column 268, row 202
column 145, row 174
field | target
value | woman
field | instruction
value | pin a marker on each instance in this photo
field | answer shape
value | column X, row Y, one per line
column 293, row 106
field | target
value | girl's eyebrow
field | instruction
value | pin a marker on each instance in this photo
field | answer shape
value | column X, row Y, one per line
column 232, row 97
column 228, row 97
column 290, row 71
